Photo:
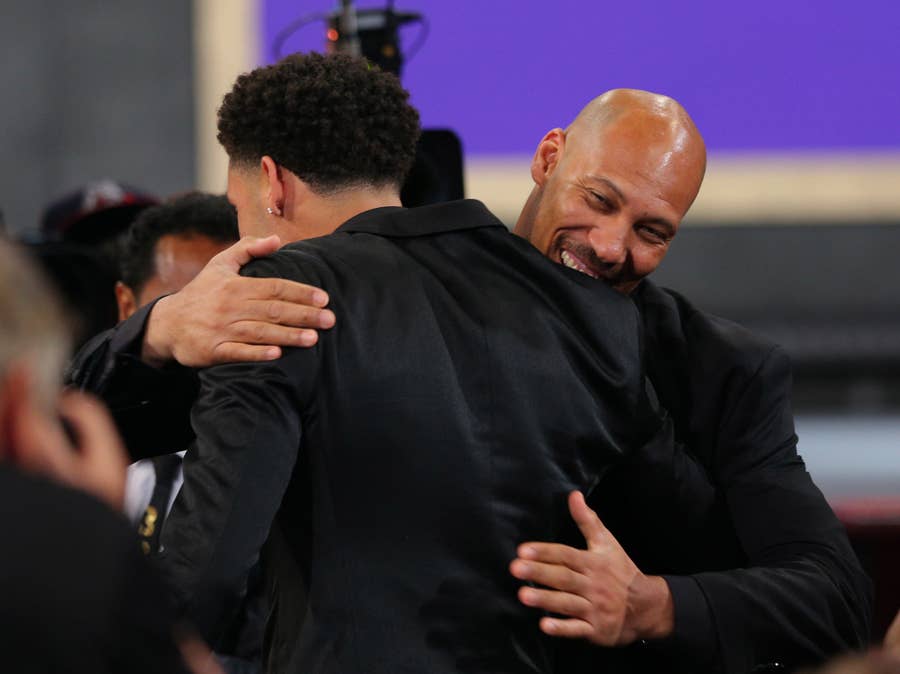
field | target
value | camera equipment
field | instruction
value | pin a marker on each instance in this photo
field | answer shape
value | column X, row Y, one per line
column 437, row 174
column 369, row 32
column 373, row 33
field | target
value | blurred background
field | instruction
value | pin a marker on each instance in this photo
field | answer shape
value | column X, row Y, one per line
column 795, row 232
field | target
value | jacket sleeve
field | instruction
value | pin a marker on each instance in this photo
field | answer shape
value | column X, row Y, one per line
column 802, row 595
column 248, row 421
column 236, row 473
column 662, row 507
column 151, row 406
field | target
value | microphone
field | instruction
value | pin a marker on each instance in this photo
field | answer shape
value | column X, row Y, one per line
column 349, row 43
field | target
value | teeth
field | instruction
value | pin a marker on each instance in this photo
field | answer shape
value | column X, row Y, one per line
column 573, row 262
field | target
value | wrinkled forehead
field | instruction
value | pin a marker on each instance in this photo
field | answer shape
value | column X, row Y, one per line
column 655, row 155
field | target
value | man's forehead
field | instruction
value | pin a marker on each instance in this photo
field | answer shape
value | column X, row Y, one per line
column 660, row 159
column 628, row 154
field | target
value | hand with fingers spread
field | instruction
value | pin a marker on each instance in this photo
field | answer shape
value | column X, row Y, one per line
column 601, row 594
column 222, row 317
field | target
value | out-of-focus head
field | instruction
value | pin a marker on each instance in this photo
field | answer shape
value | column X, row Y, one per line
column 313, row 125
column 78, row 248
column 169, row 244
column 611, row 189
column 33, row 341
column 95, row 214
column 875, row 662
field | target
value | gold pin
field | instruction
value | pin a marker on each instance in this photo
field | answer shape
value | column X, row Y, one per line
column 149, row 523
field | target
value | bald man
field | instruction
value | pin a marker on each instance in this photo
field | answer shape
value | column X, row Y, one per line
column 735, row 559
column 755, row 565
column 612, row 188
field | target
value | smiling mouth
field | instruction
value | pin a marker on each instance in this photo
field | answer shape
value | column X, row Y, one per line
column 573, row 262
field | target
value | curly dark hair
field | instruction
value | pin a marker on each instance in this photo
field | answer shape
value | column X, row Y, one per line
column 335, row 121
column 192, row 214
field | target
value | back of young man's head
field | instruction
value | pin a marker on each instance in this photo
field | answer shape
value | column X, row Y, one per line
column 167, row 245
column 334, row 121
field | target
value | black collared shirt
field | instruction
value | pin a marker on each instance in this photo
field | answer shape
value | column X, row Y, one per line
column 469, row 384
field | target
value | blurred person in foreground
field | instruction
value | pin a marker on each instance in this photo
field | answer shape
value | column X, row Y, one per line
column 883, row 660
column 754, row 567
column 77, row 596
column 875, row 662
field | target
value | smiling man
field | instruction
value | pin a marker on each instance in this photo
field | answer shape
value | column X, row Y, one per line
column 386, row 476
column 756, row 567
column 611, row 190
column 717, row 522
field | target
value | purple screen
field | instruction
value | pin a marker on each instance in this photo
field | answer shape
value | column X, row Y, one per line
column 763, row 75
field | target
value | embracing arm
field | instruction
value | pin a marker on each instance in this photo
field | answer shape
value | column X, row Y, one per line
column 142, row 368
column 799, row 595
column 802, row 595
column 150, row 405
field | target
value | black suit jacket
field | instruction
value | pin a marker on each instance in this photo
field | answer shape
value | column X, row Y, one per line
column 76, row 594
column 468, row 386
column 760, row 568
column 686, row 509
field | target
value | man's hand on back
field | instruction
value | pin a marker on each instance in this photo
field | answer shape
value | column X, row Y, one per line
column 604, row 596
column 222, row 317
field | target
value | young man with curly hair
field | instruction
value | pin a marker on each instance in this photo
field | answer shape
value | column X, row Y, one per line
column 388, row 472
column 610, row 192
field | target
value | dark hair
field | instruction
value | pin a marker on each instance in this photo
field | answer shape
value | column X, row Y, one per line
column 192, row 214
column 335, row 121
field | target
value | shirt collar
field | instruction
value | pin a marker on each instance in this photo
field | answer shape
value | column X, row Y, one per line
column 433, row 219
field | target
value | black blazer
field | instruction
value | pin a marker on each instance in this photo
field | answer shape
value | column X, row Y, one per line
column 76, row 594
column 760, row 568
column 679, row 508
column 468, row 386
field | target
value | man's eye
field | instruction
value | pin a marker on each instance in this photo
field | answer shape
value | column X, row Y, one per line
column 654, row 234
column 600, row 199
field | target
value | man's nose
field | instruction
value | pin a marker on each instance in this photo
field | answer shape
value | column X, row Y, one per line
column 608, row 244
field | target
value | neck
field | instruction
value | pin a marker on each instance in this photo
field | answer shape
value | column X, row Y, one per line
column 324, row 214
column 525, row 223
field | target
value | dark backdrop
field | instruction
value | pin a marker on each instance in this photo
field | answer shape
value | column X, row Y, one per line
column 93, row 89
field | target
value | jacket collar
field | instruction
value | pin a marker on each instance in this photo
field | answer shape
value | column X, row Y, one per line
column 434, row 219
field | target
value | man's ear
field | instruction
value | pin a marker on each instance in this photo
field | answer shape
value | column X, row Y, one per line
column 8, row 404
column 15, row 401
column 273, row 177
column 125, row 300
column 547, row 157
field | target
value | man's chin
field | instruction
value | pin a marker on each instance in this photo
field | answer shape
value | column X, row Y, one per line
column 624, row 287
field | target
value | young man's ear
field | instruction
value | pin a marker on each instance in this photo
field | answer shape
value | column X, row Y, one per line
column 547, row 156
column 273, row 177
column 125, row 300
